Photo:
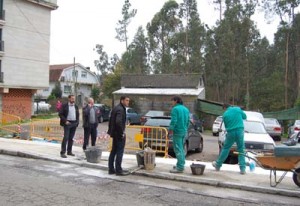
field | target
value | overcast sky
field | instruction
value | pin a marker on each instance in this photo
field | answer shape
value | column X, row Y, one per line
column 78, row 25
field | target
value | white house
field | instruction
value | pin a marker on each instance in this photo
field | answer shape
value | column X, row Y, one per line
column 24, row 53
column 74, row 79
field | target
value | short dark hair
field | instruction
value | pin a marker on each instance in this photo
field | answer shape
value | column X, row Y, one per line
column 71, row 95
column 226, row 105
column 177, row 99
column 123, row 97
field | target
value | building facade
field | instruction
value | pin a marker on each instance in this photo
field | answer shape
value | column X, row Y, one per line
column 24, row 56
column 73, row 78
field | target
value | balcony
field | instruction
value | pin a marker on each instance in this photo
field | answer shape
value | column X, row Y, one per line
column 1, row 77
column 2, row 17
column 1, row 48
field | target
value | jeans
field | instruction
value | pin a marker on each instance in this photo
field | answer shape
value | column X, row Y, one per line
column 236, row 135
column 116, row 153
column 91, row 130
column 178, row 142
column 69, row 132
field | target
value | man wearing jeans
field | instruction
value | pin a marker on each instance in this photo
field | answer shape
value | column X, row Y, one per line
column 234, row 124
column 116, row 130
column 180, row 118
column 69, row 119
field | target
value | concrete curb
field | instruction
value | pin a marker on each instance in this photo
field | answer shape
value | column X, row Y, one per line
column 163, row 175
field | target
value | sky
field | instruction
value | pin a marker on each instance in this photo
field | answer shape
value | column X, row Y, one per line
column 78, row 25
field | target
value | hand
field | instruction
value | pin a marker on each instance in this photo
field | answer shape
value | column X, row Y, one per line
column 67, row 123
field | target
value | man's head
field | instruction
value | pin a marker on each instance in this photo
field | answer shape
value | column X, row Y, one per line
column 71, row 98
column 226, row 105
column 176, row 100
column 91, row 101
column 124, row 100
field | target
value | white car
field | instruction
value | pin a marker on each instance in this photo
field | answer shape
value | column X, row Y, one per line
column 41, row 106
column 294, row 128
column 256, row 137
column 273, row 128
column 216, row 125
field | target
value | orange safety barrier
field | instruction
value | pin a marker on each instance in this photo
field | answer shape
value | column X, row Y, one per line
column 47, row 129
column 140, row 137
column 10, row 125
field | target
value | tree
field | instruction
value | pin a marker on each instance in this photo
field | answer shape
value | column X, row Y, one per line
column 102, row 64
column 135, row 60
column 122, row 25
column 56, row 91
column 95, row 93
column 112, row 81
column 161, row 30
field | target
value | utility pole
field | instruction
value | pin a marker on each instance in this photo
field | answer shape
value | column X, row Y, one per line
column 75, row 81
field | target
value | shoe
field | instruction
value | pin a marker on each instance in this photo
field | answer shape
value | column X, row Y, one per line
column 63, row 155
column 123, row 173
column 70, row 154
column 214, row 164
column 111, row 172
column 176, row 171
column 242, row 172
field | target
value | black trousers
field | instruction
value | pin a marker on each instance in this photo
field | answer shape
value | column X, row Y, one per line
column 91, row 130
column 116, row 154
column 67, row 142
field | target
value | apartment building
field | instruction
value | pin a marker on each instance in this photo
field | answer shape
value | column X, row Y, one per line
column 24, row 53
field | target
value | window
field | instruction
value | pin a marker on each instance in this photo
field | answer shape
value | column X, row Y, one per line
column 67, row 89
column 83, row 74
column 75, row 73
column 46, row 90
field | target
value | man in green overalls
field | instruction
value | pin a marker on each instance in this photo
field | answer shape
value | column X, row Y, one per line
column 234, row 124
column 178, row 128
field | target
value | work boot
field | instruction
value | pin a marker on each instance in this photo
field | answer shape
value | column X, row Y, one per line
column 176, row 171
column 214, row 164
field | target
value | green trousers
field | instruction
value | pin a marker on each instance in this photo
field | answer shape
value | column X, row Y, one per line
column 233, row 136
column 178, row 142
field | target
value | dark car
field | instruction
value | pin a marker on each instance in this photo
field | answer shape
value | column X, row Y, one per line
column 132, row 117
column 197, row 122
column 104, row 112
column 153, row 113
column 155, row 137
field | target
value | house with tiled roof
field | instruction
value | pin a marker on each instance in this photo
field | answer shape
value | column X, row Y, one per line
column 74, row 79
column 154, row 92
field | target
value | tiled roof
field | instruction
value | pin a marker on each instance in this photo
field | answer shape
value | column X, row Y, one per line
column 56, row 70
column 160, row 80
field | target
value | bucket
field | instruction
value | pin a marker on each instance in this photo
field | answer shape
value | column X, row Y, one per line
column 149, row 159
column 140, row 158
column 93, row 154
column 197, row 169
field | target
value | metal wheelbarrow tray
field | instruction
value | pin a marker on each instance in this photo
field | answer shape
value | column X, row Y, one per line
column 284, row 158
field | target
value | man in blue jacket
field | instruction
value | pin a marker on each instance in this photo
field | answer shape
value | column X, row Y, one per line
column 234, row 124
column 180, row 117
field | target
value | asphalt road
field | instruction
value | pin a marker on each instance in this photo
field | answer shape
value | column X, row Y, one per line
column 35, row 182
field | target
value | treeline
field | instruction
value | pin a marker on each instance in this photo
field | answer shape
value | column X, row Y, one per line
column 238, row 65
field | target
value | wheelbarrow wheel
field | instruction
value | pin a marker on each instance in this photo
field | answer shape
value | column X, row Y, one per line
column 296, row 177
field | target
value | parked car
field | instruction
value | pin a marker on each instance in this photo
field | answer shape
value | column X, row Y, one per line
column 197, row 122
column 216, row 125
column 153, row 113
column 256, row 137
column 155, row 137
column 273, row 128
column 104, row 112
column 132, row 117
column 294, row 128
column 41, row 106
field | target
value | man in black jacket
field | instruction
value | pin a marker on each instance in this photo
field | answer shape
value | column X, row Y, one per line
column 116, row 129
column 90, row 115
column 69, row 119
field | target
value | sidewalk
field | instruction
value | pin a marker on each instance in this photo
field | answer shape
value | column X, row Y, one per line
column 228, row 177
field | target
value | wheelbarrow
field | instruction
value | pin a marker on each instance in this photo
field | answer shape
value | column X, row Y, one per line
column 274, row 163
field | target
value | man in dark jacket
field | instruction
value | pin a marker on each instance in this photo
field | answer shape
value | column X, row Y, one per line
column 116, row 129
column 90, row 115
column 69, row 119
